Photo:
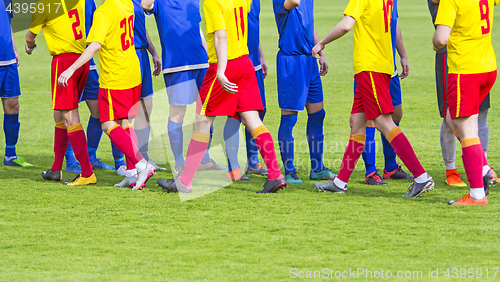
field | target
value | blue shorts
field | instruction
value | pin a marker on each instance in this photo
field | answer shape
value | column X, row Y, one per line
column 299, row 82
column 147, row 77
column 9, row 82
column 395, row 89
column 260, row 81
column 91, row 91
column 183, row 87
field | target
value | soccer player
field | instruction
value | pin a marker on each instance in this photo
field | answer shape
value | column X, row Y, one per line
column 229, row 89
column 185, row 62
column 465, row 27
column 299, row 85
column 65, row 37
column 447, row 136
column 112, row 35
column 373, row 68
column 9, row 90
column 391, row 170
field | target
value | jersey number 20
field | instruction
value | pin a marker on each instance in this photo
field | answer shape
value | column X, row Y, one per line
column 128, row 30
column 77, row 33
column 484, row 9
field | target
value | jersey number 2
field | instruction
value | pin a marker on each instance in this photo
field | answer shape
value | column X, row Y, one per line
column 77, row 33
column 128, row 28
column 388, row 6
column 484, row 9
column 242, row 22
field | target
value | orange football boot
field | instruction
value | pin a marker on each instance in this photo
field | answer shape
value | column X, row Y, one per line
column 453, row 178
column 469, row 201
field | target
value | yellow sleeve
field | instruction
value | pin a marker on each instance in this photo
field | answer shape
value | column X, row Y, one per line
column 447, row 13
column 496, row 2
column 214, row 18
column 99, row 29
column 249, row 5
column 355, row 9
column 38, row 20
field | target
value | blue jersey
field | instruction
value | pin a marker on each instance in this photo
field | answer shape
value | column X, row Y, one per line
column 394, row 23
column 7, row 55
column 178, row 25
column 295, row 27
column 140, row 39
column 254, row 33
column 90, row 8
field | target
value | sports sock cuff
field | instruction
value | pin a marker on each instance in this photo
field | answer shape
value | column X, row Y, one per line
column 393, row 134
column 112, row 128
column 319, row 115
column 201, row 137
column 75, row 127
column 130, row 126
column 455, row 133
column 467, row 142
column 259, row 131
column 60, row 125
column 360, row 138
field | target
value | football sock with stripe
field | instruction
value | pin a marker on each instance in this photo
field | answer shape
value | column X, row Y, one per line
column 473, row 164
column 11, row 127
column 176, row 137
column 196, row 150
column 265, row 145
column 94, row 133
column 315, row 139
column 76, row 136
column 252, row 151
column 123, row 142
column 369, row 152
column 486, row 166
column 60, row 145
column 69, row 154
column 143, row 141
column 351, row 156
column 389, row 155
column 206, row 158
column 117, row 156
column 404, row 150
column 448, row 146
column 286, row 141
column 232, row 142
column 484, row 130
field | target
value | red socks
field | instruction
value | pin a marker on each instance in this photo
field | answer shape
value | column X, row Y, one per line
column 124, row 143
column 351, row 156
column 131, row 132
column 473, row 156
column 265, row 144
column 196, row 150
column 76, row 136
column 60, row 144
column 404, row 150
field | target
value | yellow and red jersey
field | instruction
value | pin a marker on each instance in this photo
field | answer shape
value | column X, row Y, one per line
column 372, row 35
column 113, row 28
column 469, row 46
column 64, row 29
column 231, row 16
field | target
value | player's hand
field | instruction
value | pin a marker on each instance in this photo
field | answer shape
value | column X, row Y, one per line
column 323, row 66
column 317, row 49
column 157, row 64
column 406, row 68
column 226, row 84
column 64, row 77
column 29, row 50
column 264, row 68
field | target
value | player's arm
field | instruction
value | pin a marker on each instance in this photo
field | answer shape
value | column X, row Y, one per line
column 263, row 61
column 30, row 42
column 154, row 55
column 400, row 47
column 220, row 44
column 14, row 46
column 322, row 58
column 148, row 5
column 291, row 4
column 342, row 28
column 435, row 1
column 88, row 54
column 441, row 36
column 203, row 40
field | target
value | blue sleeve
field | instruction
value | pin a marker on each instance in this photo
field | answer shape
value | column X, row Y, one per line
column 9, row 13
column 279, row 7
column 395, row 12
column 155, row 9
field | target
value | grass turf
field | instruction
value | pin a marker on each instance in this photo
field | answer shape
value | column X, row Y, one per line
column 100, row 232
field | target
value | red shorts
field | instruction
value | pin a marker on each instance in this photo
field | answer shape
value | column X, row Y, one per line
column 67, row 98
column 119, row 104
column 466, row 92
column 372, row 95
column 215, row 101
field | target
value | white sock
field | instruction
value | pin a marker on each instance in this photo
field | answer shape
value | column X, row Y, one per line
column 339, row 183
column 448, row 145
column 423, row 178
column 486, row 169
column 131, row 173
column 141, row 165
column 477, row 193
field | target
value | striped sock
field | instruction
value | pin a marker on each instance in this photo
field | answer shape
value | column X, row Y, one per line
column 265, row 144
column 404, row 150
column 76, row 136
column 351, row 156
column 473, row 164
column 196, row 150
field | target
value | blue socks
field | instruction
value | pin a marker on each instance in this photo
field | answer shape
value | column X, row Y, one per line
column 232, row 142
column 206, row 157
column 252, row 150
column 94, row 133
column 143, row 140
column 286, row 141
column 11, row 127
column 369, row 151
column 70, row 158
column 315, row 140
column 389, row 155
column 176, row 137
column 117, row 156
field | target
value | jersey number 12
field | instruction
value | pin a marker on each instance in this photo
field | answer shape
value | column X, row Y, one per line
column 128, row 29
column 484, row 9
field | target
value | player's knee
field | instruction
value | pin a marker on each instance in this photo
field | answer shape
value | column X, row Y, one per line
column 398, row 114
column 11, row 105
column 177, row 113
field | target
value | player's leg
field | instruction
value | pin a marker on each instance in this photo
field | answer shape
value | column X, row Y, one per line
column 60, row 144
column 484, row 130
column 72, row 165
column 94, row 134
column 369, row 157
column 142, row 128
column 232, row 144
column 287, row 145
column 176, row 135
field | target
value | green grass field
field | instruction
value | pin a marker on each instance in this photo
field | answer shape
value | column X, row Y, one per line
column 53, row 232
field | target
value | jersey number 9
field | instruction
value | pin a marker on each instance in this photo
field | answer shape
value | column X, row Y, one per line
column 484, row 9
column 128, row 29
column 77, row 33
